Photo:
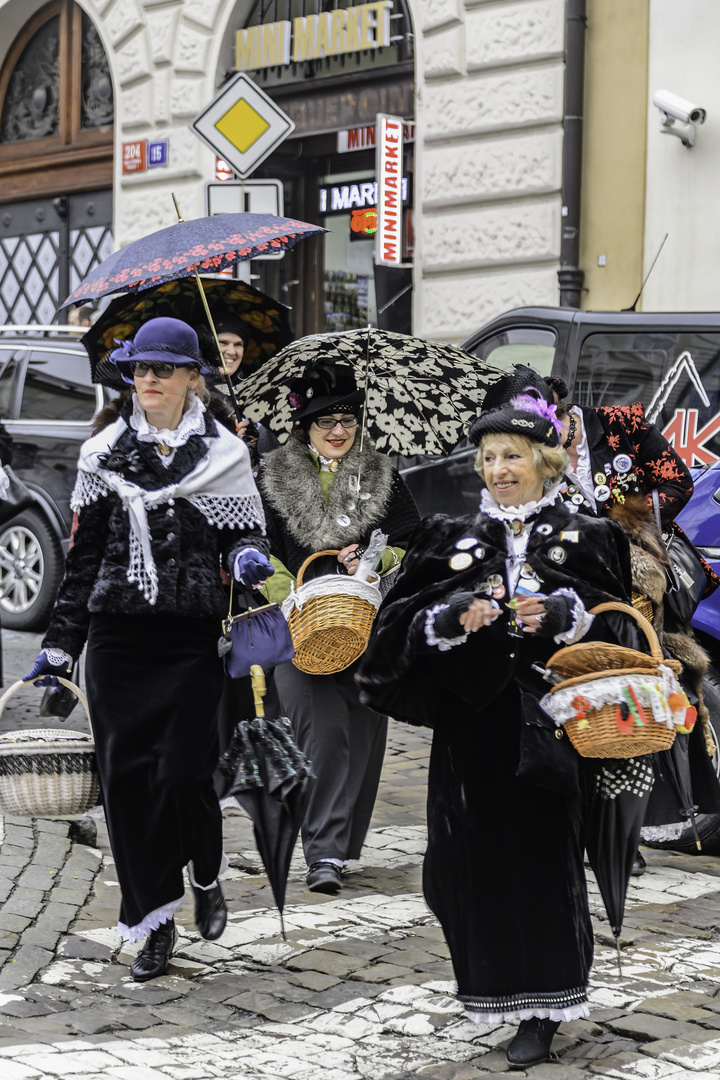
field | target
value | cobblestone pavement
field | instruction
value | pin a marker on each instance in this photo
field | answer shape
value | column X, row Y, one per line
column 362, row 987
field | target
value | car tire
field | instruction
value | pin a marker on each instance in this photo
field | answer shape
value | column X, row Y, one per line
column 708, row 825
column 31, row 568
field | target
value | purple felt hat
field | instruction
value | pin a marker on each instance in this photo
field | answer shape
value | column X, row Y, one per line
column 159, row 341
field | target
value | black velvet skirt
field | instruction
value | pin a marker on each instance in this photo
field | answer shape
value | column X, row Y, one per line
column 504, row 870
column 154, row 684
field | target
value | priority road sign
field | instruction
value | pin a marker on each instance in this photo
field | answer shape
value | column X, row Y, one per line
column 242, row 124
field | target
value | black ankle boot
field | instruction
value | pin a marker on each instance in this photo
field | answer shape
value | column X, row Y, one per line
column 153, row 959
column 210, row 912
column 532, row 1043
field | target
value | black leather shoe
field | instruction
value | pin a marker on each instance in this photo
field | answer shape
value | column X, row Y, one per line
column 153, row 959
column 639, row 865
column 210, row 912
column 532, row 1043
column 324, row 877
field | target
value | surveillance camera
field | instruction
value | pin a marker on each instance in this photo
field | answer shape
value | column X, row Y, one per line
column 678, row 107
column 678, row 116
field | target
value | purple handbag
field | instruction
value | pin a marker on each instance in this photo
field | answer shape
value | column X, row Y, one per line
column 258, row 636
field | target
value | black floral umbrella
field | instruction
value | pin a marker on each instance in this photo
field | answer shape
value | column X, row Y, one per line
column 266, row 320
column 421, row 395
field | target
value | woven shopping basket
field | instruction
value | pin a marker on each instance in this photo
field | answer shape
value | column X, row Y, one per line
column 330, row 619
column 47, row 772
column 620, row 677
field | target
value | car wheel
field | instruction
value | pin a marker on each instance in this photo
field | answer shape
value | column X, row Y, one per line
column 31, row 568
column 708, row 825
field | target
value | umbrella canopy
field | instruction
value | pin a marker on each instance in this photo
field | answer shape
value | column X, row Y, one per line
column 266, row 320
column 209, row 244
column 271, row 779
column 618, row 800
column 421, row 395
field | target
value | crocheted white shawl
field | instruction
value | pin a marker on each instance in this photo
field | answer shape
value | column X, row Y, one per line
column 221, row 487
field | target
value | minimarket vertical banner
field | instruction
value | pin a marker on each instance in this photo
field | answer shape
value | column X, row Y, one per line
column 389, row 168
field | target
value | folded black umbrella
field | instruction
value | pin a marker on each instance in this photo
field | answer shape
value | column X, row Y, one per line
column 271, row 778
column 618, row 799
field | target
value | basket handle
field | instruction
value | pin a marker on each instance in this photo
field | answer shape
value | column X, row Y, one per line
column 310, row 558
column 65, row 682
column 645, row 626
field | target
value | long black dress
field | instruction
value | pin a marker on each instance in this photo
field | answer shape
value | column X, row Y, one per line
column 153, row 674
column 504, row 867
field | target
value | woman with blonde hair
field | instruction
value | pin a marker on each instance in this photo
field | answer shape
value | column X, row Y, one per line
column 481, row 602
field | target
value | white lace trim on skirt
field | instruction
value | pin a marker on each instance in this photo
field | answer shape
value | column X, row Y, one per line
column 572, row 1012
column 151, row 922
column 224, row 863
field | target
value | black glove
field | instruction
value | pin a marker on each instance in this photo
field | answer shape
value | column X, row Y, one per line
column 447, row 622
column 558, row 617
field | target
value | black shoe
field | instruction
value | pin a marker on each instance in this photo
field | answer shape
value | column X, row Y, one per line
column 639, row 865
column 324, row 877
column 153, row 959
column 532, row 1043
column 210, row 912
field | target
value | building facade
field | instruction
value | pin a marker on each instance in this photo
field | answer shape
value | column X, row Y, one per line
column 479, row 84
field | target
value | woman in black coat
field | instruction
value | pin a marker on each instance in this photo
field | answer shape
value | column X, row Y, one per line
column 479, row 604
column 311, row 506
column 165, row 497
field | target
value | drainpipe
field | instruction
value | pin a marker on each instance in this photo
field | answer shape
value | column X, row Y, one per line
column 570, row 276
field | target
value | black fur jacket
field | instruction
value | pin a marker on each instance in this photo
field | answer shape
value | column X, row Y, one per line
column 188, row 551
column 402, row 675
column 299, row 522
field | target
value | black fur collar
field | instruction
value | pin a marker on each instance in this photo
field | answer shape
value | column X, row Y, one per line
column 291, row 484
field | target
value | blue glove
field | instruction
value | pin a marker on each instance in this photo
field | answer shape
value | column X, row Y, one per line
column 251, row 567
column 49, row 664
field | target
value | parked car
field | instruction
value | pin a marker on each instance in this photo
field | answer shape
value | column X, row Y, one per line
column 47, row 404
column 670, row 362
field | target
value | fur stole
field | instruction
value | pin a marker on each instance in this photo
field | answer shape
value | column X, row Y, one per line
column 291, row 484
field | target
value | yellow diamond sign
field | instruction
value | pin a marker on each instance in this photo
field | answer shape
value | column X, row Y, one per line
column 242, row 124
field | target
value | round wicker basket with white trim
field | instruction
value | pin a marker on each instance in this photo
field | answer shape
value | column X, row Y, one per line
column 330, row 619
column 47, row 772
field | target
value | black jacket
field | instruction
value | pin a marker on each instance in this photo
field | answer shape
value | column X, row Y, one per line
column 402, row 675
column 188, row 551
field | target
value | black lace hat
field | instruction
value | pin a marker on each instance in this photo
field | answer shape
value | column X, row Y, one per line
column 324, row 388
column 515, row 382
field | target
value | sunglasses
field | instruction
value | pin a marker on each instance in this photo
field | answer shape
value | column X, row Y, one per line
column 327, row 423
column 160, row 371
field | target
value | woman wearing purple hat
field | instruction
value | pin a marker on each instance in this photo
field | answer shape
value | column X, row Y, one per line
column 164, row 496
column 481, row 602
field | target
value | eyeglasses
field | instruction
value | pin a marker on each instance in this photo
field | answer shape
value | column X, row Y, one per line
column 160, row 371
column 327, row 423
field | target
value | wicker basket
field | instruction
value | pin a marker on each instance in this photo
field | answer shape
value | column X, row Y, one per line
column 330, row 619
column 47, row 772
column 596, row 735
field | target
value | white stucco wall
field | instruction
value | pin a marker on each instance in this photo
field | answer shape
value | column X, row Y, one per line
column 489, row 96
column 683, row 193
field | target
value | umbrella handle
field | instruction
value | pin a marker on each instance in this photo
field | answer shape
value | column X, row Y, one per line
column 259, row 688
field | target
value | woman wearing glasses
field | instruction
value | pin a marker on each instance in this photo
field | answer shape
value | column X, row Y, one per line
column 310, row 505
column 164, row 497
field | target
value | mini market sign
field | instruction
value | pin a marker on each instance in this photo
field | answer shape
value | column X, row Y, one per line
column 311, row 37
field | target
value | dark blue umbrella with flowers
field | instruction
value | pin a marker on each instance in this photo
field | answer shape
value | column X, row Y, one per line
column 207, row 244
column 188, row 248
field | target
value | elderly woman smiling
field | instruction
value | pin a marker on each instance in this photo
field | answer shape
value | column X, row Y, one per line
column 480, row 603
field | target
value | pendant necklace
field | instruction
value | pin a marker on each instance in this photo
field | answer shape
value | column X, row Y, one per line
column 163, row 449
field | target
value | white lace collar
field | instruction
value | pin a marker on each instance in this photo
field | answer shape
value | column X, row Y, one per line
column 489, row 506
column 191, row 423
